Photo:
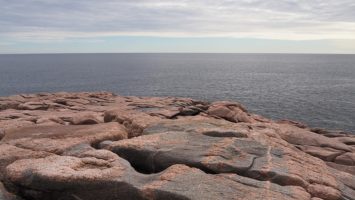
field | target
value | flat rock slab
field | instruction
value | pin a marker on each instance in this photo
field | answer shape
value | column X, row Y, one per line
column 215, row 155
column 114, row 179
column 58, row 138
column 155, row 153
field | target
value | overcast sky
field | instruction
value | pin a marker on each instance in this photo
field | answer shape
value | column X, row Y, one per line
column 247, row 26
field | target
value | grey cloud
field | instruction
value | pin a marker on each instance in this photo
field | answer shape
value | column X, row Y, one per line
column 261, row 18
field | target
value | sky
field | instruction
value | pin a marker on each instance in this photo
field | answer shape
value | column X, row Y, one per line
column 207, row 26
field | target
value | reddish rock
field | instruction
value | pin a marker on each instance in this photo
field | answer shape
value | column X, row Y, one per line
column 133, row 120
column 324, row 192
column 326, row 154
column 10, row 153
column 2, row 133
column 347, row 140
column 346, row 159
column 344, row 168
column 298, row 136
column 85, row 119
column 114, row 179
column 33, row 106
column 294, row 123
column 230, row 111
column 11, row 102
column 330, row 133
column 102, row 146
column 58, row 138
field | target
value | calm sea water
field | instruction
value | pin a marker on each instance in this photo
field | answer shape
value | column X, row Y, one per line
column 316, row 89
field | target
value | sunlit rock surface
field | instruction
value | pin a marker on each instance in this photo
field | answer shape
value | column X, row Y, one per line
column 78, row 146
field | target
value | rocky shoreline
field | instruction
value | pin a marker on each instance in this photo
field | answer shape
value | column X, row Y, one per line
column 88, row 146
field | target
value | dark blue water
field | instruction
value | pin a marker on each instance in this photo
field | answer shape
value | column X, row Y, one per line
column 316, row 89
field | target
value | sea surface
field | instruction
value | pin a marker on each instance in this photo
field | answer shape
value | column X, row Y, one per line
column 318, row 90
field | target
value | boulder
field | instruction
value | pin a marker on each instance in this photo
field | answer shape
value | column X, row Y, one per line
column 230, row 111
column 84, row 120
column 33, row 106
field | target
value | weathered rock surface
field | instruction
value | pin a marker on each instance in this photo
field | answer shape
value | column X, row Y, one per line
column 78, row 146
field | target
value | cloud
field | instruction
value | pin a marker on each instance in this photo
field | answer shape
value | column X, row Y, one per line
column 270, row 19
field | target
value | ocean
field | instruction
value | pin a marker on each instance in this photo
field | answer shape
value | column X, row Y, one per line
column 318, row 90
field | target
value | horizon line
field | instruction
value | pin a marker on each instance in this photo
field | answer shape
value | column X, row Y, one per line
column 54, row 53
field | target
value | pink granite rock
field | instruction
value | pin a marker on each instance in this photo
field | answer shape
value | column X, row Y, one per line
column 86, row 146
